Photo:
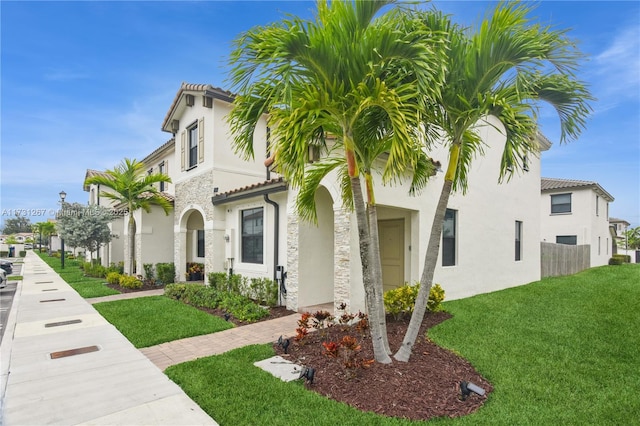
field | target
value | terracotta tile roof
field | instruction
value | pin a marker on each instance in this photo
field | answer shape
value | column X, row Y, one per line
column 166, row 145
column 209, row 90
column 549, row 184
column 92, row 173
column 255, row 189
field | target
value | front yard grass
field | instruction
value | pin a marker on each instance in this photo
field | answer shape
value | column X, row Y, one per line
column 151, row 320
column 87, row 287
column 560, row 351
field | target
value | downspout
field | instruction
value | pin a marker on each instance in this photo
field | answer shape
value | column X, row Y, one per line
column 278, row 278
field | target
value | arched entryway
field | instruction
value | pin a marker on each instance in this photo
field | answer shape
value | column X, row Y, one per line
column 192, row 247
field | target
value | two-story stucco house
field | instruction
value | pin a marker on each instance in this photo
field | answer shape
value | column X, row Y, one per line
column 576, row 212
column 235, row 214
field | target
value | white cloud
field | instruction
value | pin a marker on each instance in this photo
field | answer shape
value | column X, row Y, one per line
column 618, row 65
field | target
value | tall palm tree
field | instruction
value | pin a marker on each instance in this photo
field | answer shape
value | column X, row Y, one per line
column 357, row 75
column 505, row 69
column 134, row 189
column 45, row 229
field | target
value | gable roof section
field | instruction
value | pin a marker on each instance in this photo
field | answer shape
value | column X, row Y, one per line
column 189, row 88
column 550, row 185
column 92, row 173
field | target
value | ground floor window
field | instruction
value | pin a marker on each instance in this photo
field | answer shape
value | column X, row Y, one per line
column 449, row 238
column 518, row 240
column 252, row 235
column 571, row 240
column 200, row 242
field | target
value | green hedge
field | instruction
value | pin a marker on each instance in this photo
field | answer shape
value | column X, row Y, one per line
column 261, row 290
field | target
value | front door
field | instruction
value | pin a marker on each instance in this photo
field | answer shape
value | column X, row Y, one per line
column 391, row 234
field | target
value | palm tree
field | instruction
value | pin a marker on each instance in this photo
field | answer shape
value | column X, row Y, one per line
column 356, row 78
column 506, row 69
column 134, row 189
column 45, row 229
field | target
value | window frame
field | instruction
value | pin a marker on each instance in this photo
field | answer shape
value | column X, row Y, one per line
column 192, row 146
column 252, row 244
column 449, row 243
column 200, row 239
column 518, row 241
column 560, row 208
column 161, row 166
column 567, row 237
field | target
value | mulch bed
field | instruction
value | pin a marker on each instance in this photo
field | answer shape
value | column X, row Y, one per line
column 427, row 386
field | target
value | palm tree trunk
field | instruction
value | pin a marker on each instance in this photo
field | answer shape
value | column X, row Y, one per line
column 131, row 242
column 373, row 308
column 426, row 280
column 376, row 268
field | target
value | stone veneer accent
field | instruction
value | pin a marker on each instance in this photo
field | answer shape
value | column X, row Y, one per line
column 341, row 257
column 196, row 191
column 292, row 268
column 341, row 253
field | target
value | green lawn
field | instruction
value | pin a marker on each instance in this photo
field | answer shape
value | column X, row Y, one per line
column 87, row 287
column 560, row 351
column 151, row 320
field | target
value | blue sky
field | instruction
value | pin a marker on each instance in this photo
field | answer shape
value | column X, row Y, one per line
column 85, row 84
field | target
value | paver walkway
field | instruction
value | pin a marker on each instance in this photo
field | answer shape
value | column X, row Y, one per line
column 167, row 354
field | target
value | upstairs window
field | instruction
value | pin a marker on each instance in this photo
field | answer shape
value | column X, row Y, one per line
column 252, row 235
column 449, row 238
column 561, row 203
column 193, row 145
column 162, row 170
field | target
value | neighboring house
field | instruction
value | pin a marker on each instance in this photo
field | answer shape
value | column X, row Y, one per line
column 237, row 215
column 154, row 230
column 576, row 212
column 620, row 227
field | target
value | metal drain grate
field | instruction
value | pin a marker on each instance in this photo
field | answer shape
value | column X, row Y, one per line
column 44, row 282
column 49, row 289
column 58, row 324
column 71, row 352
column 52, row 300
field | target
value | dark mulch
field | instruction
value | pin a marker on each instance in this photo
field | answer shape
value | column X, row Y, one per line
column 425, row 387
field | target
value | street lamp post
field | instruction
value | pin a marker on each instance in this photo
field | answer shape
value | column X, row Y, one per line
column 63, row 195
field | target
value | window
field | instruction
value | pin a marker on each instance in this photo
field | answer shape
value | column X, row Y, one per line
column 252, row 221
column 161, row 170
column 200, row 242
column 598, row 246
column 571, row 240
column 518, row 240
column 561, row 203
column 449, row 238
column 193, row 145
column 597, row 205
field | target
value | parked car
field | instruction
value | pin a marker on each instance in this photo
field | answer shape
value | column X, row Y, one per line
column 6, row 265
column 3, row 278
column 28, row 246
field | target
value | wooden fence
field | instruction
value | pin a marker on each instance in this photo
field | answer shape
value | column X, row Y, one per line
column 563, row 259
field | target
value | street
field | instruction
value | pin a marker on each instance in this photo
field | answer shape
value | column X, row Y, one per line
column 6, row 298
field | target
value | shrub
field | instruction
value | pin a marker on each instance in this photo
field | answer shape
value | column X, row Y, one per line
column 128, row 281
column 22, row 253
column 262, row 290
column 113, row 278
column 401, row 300
column 4, row 253
column 218, row 280
column 119, row 268
column 148, row 271
column 166, row 273
column 94, row 270
column 619, row 259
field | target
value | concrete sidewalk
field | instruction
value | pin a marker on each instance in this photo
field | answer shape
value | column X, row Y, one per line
column 108, row 382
